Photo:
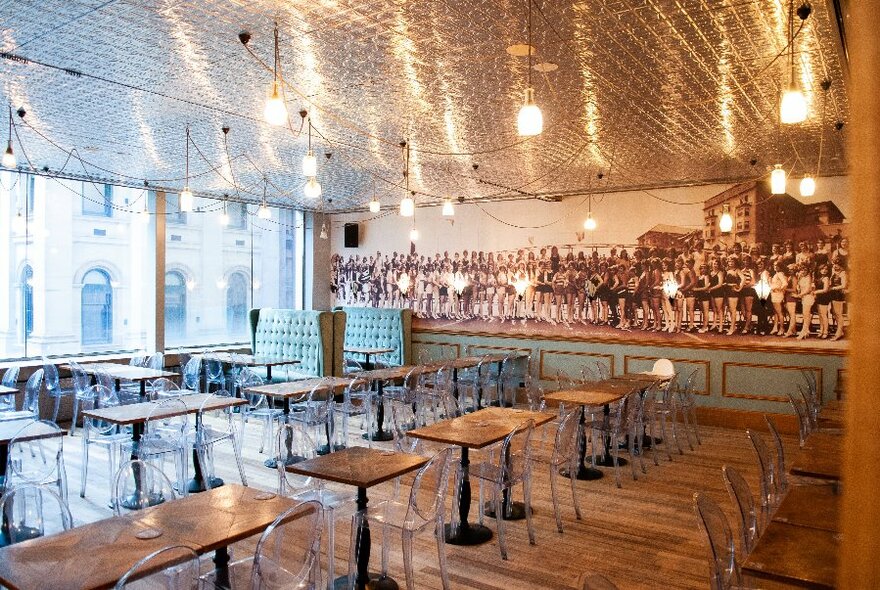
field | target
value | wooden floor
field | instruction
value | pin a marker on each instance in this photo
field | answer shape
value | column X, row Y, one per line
column 644, row 535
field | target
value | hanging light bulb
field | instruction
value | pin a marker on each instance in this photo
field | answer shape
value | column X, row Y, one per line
column 19, row 223
column 808, row 186
column 407, row 206
column 530, row 120
column 310, row 163
column 589, row 222
column 793, row 106
column 413, row 235
column 312, row 189
column 224, row 216
column 9, row 156
column 725, row 224
column 375, row 205
column 275, row 111
column 144, row 213
column 324, row 235
column 777, row 180
column 186, row 196
column 448, row 209
column 264, row 212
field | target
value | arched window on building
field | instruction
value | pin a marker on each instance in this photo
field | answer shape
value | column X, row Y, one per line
column 97, row 308
column 236, row 304
column 175, row 305
column 27, row 301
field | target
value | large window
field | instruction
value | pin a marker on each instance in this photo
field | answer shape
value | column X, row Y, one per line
column 237, row 289
column 97, row 308
column 97, row 199
column 175, row 306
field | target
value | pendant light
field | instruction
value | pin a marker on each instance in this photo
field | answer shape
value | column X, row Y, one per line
column 808, row 186
column 275, row 111
column 793, row 105
column 264, row 212
column 725, row 224
column 9, row 160
column 310, row 163
column 448, row 209
column 414, row 234
column 312, row 189
column 144, row 214
column 324, row 235
column 407, row 204
column 530, row 120
column 777, row 180
column 224, row 216
column 186, row 196
column 375, row 205
column 589, row 222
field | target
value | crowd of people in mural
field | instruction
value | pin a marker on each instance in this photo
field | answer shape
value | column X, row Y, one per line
column 787, row 289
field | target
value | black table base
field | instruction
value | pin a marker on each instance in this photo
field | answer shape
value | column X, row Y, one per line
column 584, row 474
column 377, row 582
column 379, row 435
column 195, row 486
column 608, row 461
column 131, row 502
column 468, row 534
column 516, row 511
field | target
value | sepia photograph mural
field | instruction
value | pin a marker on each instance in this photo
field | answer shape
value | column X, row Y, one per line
column 777, row 272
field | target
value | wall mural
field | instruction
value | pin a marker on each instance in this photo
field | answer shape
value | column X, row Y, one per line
column 780, row 272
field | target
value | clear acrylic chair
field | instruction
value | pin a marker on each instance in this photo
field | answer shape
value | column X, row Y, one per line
column 563, row 455
column 214, row 374
column 258, row 406
column 623, row 425
column 313, row 411
column 781, row 472
column 212, row 428
column 37, row 461
column 10, row 379
column 31, row 407
column 30, row 511
column 513, row 378
column 358, row 400
column 192, row 374
column 101, row 433
column 742, row 497
column 81, row 384
column 603, row 371
column 766, row 464
column 53, row 386
column 155, row 361
column 805, row 426
column 660, row 407
column 170, row 568
column 422, row 511
column 166, row 436
column 288, row 554
column 724, row 572
column 686, row 405
column 164, row 387
column 138, row 485
column 512, row 467
column 292, row 440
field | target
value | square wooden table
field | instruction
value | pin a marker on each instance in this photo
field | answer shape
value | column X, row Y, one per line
column 364, row 468
column 367, row 352
column 820, row 457
column 475, row 431
column 120, row 373
column 94, row 556
column 598, row 393
column 136, row 415
column 246, row 360
column 794, row 554
column 815, row 506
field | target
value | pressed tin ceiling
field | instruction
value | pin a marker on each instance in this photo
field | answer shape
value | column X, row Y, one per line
column 649, row 92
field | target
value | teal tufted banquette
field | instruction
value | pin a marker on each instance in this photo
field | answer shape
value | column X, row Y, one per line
column 380, row 328
column 303, row 335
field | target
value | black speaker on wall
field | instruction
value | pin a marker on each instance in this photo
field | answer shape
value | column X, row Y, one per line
column 351, row 235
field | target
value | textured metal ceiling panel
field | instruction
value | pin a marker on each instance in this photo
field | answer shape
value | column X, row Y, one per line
column 649, row 92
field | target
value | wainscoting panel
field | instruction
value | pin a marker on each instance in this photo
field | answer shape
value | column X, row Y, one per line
column 638, row 364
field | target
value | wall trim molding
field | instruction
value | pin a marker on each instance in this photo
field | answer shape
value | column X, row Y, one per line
column 745, row 420
column 646, row 341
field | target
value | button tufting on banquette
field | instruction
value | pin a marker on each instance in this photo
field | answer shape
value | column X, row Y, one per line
column 303, row 335
column 379, row 328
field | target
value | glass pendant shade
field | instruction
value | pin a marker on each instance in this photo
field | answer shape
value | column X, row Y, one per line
column 275, row 111
column 808, row 186
column 375, row 206
column 9, row 160
column 186, row 200
column 324, row 235
column 589, row 222
column 312, row 189
column 310, row 165
column 777, row 180
column 413, row 235
column 144, row 215
column 725, row 224
column 407, row 206
column 793, row 107
column 448, row 209
column 264, row 212
column 530, row 120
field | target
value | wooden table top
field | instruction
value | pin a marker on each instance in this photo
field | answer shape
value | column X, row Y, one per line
column 821, row 457
column 366, row 349
column 649, row 377
column 394, row 373
column 126, row 372
column 300, row 386
column 9, row 428
column 359, row 466
column 791, row 553
column 599, row 393
column 4, row 390
column 137, row 413
column 815, row 506
column 248, row 360
column 481, row 428
column 96, row 555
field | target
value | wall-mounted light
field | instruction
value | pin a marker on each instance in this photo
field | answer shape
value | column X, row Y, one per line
column 808, row 186
column 762, row 289
column 670, row 288
column 725, row 224
column 403, row 282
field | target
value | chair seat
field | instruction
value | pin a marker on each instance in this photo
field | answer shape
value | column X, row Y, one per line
column 328, row 498
column 487, row 471
column 393, row 513
column 16, row 415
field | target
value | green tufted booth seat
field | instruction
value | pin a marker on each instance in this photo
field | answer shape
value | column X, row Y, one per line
column 379, row 328
column 303, row 335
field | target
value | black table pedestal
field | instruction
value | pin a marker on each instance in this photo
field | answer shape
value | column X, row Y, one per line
column 466, row 533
